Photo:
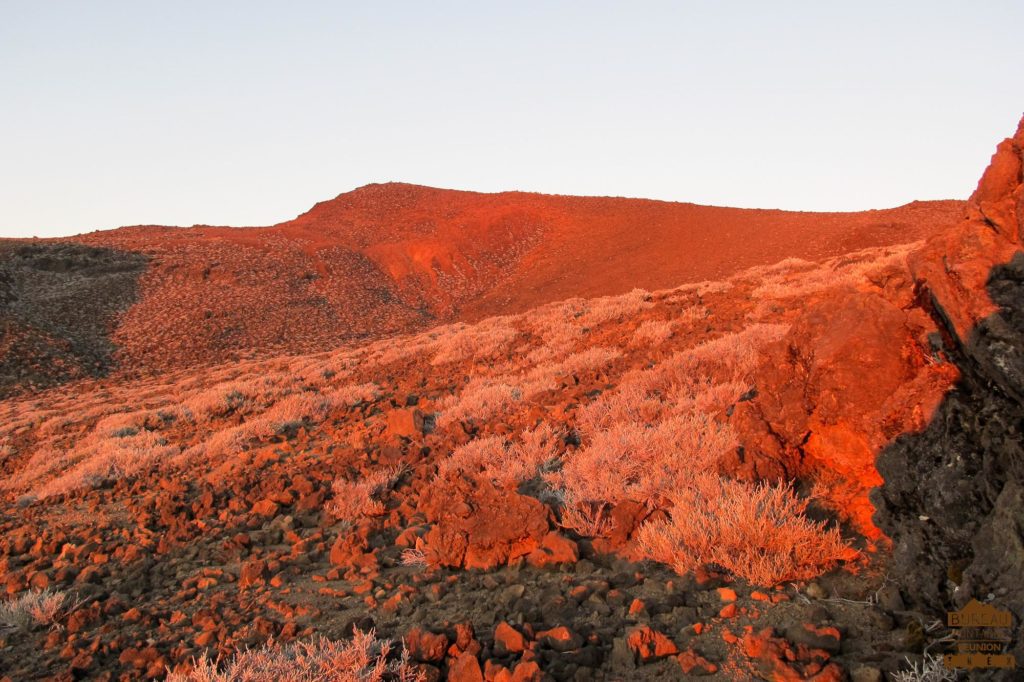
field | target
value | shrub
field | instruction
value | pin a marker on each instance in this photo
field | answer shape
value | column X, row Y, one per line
column 756, row 531
column 482, row 340
column 348, row 396
column 653, row 332
column 479, row 399
column 638, row 463
column 361, row 659
column 604, row 309
column 354, row 499
column 543, row 377
column 108, row 459
column 41, row 607
column 629, row 404
column 505, row 465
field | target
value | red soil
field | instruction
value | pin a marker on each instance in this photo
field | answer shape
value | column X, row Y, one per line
column 395, row 258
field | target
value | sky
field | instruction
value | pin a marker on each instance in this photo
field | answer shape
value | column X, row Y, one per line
column 247, row 113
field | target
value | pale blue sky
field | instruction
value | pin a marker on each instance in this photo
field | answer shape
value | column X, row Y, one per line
column 246, row 113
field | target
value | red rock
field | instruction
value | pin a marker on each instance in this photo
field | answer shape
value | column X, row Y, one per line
column 560, row 639
column 507, row 639
column 726, row 594
column 425, row 646
column 527, row 671
column 481, row 531
column 775, row 659
column 265, row 508
column 80, row 619
column 728, row 611
column 405, row 423
column 637, row 606
column 465, row 668
column 492, row 670
column 206, row 638
column 694, row 664
column 39, row 581
column 650, row 645
column 554, row 549
column 254, row 572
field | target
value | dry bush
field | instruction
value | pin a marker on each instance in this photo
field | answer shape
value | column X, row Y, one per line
column 604, row 309
column 794, row 278
column 479, row 399
column 471, row 458
column 224, row 399
column 416, row 558
column 556, row 327
column 653, row 332
column 504, row 464
column 482, row 340
column 544, row 377
column 639, row 463
column 703, row 287
column 726, row 360
column 534, row 450
column 702, row 379
column 631, row 403
column 33, row 608
column 755, row 531
column 361, row 659
column 307, row 407
column 355, row 499
column 293, row 410
column 101, row 459
column 348, row 396
column 392, row 350
column 693, row 314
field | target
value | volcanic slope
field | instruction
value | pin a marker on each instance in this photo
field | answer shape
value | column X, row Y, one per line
column 657, row 484
column 395, row 258
column 470, row 483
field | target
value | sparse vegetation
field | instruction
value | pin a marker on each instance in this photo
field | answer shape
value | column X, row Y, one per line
column 363, row 497
column 758, row 532
column 364, row 658
column 34, row 608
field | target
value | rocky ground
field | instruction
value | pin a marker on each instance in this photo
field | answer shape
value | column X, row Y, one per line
column 658, row 485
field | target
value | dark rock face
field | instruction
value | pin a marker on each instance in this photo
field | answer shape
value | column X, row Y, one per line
column 953, row 497
column 58, row 304
column 965, row 469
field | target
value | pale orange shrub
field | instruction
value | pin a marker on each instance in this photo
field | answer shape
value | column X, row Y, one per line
column 631, row 403
column 110, row 459
column 504, row 464
column 37, row 607
column 482, row 340
column 355, row 499
column 471, row 458
column 224, row 399
column 607, row 308
column 347, row 396
column 543, row 377
column 364, row 658
column 758, row 532
column 653, row 332
column 639, row 463
column 480, row 399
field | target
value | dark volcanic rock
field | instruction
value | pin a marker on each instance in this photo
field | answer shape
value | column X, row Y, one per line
column 953, row 498
column 58, row 305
